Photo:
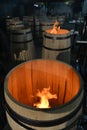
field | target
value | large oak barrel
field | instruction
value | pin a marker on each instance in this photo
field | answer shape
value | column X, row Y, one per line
column 57, row 46
column 20, row 89
column 22, row 45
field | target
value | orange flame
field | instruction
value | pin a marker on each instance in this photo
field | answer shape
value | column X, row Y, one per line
column 56, row 27
column 44, row 96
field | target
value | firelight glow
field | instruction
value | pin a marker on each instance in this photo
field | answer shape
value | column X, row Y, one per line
column 56, row 27
column 44, row 96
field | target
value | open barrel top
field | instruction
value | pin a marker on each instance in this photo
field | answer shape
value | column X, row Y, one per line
column 60, row 31
column 23, row 81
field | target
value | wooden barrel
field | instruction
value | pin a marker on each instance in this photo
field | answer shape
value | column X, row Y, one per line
column 22, row 45
column 35, row 75
column 57, row 46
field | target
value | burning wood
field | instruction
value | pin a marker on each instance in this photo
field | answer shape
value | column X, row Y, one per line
column 44, row 96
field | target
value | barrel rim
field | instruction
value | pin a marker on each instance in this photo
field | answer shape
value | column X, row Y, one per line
column 81, row 90
column 57, row 35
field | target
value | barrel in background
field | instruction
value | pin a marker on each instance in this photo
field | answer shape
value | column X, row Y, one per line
column 22, row 44
column 57, row 46
column 12, row 23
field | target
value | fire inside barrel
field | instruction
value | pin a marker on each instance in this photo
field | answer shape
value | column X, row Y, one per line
column 35, row 81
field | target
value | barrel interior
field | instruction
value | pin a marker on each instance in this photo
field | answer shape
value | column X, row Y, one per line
column 26, row 79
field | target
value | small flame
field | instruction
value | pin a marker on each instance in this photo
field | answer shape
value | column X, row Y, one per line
column 56, row 27
column 44, row 96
